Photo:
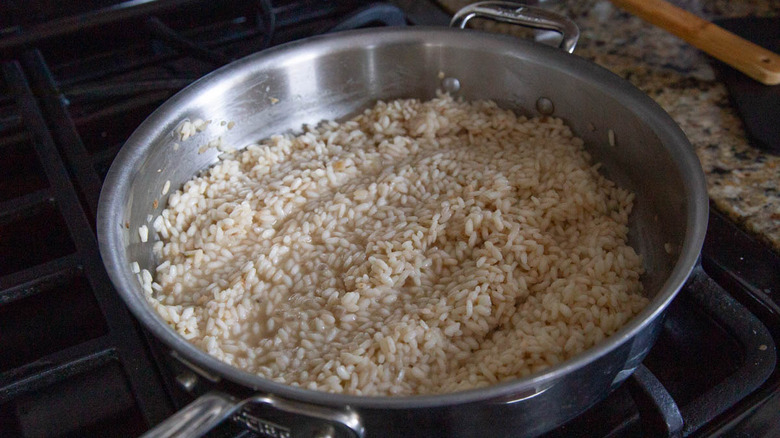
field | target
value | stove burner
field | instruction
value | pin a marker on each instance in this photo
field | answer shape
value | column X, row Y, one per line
column 76, row 83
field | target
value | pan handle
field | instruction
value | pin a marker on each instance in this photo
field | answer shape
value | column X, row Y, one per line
column 289, row 418
column 197, row 418
column 523, row 15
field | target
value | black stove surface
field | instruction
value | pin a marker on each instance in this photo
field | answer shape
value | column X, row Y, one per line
column 78, row 77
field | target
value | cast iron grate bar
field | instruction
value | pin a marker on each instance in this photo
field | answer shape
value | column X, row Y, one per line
column 658, row 410
column 16, row 206
column 138, row 100
column 423, row 12
column 266, row 23
column 97, row 403
column 252, row 23
column 32, row 280
column 124, row 88
column 755, row 340
column 83, row 362
column 64, row 132
column 124, row 335
column 21, row 37
column 177, row 41
column 731, row 256
column 113, row 65
column 387, row 15
column 100, row 17
column 36, row 374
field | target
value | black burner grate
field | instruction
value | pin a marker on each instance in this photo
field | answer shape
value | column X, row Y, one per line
column 61, row 320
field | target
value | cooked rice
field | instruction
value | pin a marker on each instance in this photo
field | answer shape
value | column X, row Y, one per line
column 421, row 247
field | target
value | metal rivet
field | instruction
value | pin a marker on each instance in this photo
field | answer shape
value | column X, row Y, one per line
column 450, row 85
column 545, row 106
column 187, row 380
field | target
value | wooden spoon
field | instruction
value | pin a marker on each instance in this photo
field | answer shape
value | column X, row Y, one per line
column 753, row 60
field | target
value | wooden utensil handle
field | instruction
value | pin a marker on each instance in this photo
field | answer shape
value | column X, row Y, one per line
column 751, row 59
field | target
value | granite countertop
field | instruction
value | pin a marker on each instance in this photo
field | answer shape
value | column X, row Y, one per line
column 743, row 182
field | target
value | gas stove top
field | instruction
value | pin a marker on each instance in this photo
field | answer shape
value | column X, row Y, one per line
column 77, row 78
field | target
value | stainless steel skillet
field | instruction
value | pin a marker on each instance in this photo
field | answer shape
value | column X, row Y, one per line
column 335, row 76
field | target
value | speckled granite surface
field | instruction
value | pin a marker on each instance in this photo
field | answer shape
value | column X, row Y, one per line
column 743, row 182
